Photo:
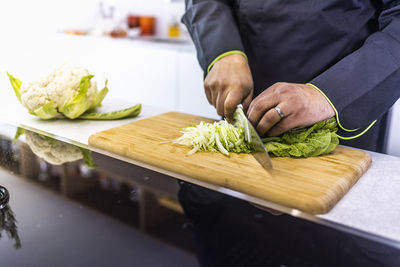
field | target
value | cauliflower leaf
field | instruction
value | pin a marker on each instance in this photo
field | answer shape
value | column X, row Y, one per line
column 16, row 85
column 87, row 158
column 20, row 131
column 99, row 97
column 77, row 105
column 113, row 115
column 47, row 111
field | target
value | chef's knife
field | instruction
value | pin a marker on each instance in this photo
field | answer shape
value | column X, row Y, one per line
column 260, row 152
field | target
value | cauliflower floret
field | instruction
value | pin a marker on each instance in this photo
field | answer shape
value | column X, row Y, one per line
column 59, row 86
column 33, row 96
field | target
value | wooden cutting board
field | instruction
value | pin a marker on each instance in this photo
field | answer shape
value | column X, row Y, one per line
column 313, row 185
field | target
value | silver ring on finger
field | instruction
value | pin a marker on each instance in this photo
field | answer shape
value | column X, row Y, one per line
column 280, row 113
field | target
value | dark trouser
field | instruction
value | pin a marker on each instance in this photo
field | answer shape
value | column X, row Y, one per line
column 231, row 232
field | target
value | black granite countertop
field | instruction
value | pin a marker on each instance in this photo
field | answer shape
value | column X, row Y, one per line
column 71, row 215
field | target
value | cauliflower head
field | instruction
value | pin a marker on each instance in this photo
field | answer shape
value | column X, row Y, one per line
column 58, row 86
column 67, row 91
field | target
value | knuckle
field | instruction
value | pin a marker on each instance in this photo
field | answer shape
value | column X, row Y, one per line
column 261, row 129
column 212, row 84
column 237, row 82
column 297, row 103
column 294, row 100
column 284, row 89
column 208, row 84
column 256, row 107
column 249, row 83
column 277, row 130
column 265, row 123
column 280, row 84
column 267, row 119
column 220, row 85
column 230, row 103
column 215, row 84
column 225, row 81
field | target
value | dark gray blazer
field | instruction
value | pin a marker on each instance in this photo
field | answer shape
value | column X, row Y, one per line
column 350, row 49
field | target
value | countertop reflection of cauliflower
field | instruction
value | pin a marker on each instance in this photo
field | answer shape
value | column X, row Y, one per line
column 59, row 86
column 51, row 150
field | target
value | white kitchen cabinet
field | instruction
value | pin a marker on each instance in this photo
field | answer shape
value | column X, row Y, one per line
column 191, row 97
column 393, row 141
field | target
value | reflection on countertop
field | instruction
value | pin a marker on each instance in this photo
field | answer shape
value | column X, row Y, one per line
column 126, row 194
column 8, row 225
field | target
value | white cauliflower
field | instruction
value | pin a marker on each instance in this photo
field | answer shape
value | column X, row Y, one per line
column 67, row 92
column 59, row 86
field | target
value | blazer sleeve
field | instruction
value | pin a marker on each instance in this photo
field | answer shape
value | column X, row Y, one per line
column 213, row 28
column 365, row 84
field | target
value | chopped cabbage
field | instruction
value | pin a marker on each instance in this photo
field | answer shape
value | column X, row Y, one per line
column 318, row 139
column 219, row 136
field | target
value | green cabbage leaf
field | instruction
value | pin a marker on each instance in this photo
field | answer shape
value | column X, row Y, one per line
column 316, row 140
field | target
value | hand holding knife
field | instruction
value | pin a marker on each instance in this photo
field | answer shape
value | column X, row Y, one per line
column 260, row 152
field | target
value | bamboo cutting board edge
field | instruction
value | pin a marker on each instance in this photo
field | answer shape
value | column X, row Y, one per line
column 127, row 140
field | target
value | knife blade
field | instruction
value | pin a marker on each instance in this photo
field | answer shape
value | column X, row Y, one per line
column 260, row 152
